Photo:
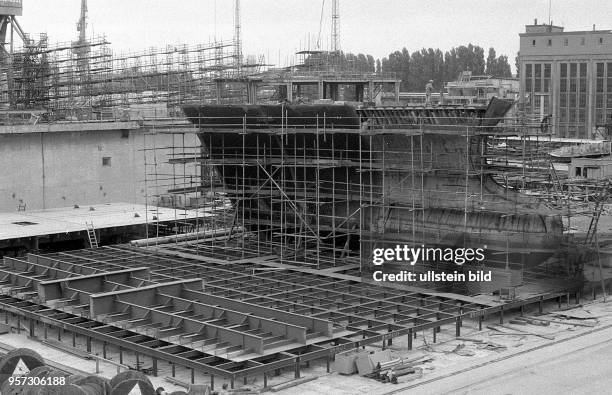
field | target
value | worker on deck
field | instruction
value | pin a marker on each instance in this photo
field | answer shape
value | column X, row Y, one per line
column 428, row 90
column 545, row 124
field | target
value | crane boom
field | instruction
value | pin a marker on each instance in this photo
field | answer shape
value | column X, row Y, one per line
column 237, row 32
column 82, row 24
column 335, row 25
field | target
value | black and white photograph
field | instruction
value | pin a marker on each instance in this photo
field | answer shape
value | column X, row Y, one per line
column 336, row 197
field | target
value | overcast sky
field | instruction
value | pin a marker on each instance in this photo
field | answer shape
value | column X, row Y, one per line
column 278, row 28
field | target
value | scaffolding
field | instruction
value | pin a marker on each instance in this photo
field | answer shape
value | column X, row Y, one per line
column 86, row 81
column 322, row 189
column 325, row 191
column 292, row 200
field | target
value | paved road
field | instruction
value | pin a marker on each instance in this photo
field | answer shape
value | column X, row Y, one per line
column 577, row 366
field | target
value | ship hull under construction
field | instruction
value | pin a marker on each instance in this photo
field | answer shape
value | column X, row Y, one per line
column 338, row 178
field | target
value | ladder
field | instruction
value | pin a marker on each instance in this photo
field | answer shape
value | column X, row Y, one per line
column 601, row 199
column 558, row 194
column 91, row 235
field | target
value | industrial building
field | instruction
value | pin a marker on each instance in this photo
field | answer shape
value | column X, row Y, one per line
column 567, row 76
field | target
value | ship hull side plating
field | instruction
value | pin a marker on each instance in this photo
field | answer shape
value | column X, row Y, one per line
column 399, row 187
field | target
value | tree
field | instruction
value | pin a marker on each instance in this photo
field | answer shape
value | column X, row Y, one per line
column 451, row 68
column 371, row 63
column 417, row 68
column 470, row 58
column 502, row 67
column 498, row 66
column 341, row 61
column 491, row 62
column 398, row 62
column 517, row 64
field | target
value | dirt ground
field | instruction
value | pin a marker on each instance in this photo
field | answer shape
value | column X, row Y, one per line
column 566, row 361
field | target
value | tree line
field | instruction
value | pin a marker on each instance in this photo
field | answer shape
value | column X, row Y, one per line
column 417, row 68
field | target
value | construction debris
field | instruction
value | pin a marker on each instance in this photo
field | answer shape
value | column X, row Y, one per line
column 389, row 372
column 503, row 330
column 367, row 363
column 566, row 322
column 292, row 383
column 576, row 314
column 468, row 339
column 460, row 350
column 532, row 321
column 492, row 346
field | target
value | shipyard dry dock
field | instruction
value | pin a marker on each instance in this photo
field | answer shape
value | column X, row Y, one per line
column 257, row 229
column 278, row 279
column 184, row 218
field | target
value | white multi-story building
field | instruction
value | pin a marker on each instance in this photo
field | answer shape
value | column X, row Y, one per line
column 567, row 75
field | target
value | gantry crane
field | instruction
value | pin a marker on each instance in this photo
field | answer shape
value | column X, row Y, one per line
column 9, row 25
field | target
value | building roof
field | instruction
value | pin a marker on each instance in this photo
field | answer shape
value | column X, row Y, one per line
column 543, row 28
column 550, row 29
column 560, row 33
column 606, row 160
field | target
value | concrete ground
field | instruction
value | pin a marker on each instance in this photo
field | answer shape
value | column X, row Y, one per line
column 577, row 366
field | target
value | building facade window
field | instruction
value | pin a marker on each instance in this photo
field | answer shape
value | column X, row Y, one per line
column 106, row 161
column 572, row 107
column 549, row 42
column 603, row 93
column 538, row 87
column 582, row 40
column 533, row 43
column 565, row 42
